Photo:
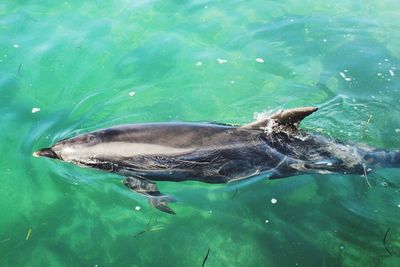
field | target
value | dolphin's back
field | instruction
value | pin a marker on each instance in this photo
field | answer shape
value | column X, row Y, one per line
column 182, row 151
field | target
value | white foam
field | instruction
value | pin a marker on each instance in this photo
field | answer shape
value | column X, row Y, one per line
column 222, row 61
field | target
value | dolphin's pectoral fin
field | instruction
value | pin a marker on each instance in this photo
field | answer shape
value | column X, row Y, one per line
column 161, row 203
column 290, row 117
column 149, row 189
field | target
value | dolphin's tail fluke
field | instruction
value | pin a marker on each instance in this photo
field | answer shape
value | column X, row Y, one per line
column 383, row 158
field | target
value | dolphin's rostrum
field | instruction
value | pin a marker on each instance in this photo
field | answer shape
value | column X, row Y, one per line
column 215, row 153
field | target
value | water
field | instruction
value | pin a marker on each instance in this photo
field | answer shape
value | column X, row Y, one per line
column 93, row 64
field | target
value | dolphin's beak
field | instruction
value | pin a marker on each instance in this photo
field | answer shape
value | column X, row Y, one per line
column 46, row 152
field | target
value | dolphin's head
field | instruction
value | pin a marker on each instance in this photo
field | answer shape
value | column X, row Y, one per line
column 75, row 149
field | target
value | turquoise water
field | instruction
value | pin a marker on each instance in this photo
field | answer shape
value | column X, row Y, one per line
column 93, row 64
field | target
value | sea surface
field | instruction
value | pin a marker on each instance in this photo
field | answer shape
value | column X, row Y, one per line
column 68, row 67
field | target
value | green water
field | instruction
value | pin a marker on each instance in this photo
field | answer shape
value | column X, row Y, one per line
column 78, row 61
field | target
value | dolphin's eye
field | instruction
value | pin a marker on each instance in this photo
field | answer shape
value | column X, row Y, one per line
column 91, row 139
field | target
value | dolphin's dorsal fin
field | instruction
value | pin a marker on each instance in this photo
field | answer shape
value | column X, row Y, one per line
column 291, row 117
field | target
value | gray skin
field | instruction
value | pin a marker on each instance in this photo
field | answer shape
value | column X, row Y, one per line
column 214, row 153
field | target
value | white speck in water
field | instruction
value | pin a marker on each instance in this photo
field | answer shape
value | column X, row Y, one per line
column 342, row 247
column 379, row 63
column 384, row 184
column 345, row 70
column 205, row 6
column 397, row 130
column 199, row 63
column 379, row 74
column 222, row 61
column 132, row 93
column 34, row 110
column 372, row 96
column 386, row 59
column 347, row 79
column 137, row 208
column 260, row 60
column 391, row 72
column 210, row 211
column 398, row 205
column 274, row 201
column 232, row 81
column 342, row 74
column 266, row 221
column 324, row 40
column 16, row 46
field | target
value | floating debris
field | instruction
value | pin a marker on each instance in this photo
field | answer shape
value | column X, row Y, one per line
column 205, row 258
column 19, row 67
column 384, row 241
column 266, row 221
column 260, row 60
column 274, row 200
column 199, row 63
column 34, row 110
column 132, row 93
column 391, row 72
column 137, row 208
column 343, row 75
column 16, row 46
column 222, row 61
column 28, row 234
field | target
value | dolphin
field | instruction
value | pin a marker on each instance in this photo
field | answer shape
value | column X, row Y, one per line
column 274, row 146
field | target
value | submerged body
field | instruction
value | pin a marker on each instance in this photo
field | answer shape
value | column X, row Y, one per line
column 213, row 153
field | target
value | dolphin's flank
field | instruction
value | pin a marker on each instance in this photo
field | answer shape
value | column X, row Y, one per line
column 214, row 153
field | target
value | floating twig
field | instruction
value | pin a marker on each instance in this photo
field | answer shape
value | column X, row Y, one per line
column 28, row 234
column 236, row 193
column 366, row 176
column 205, row 258
column 367, row 123
column 384, row 241
column 148, row 229
column 19, row 67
